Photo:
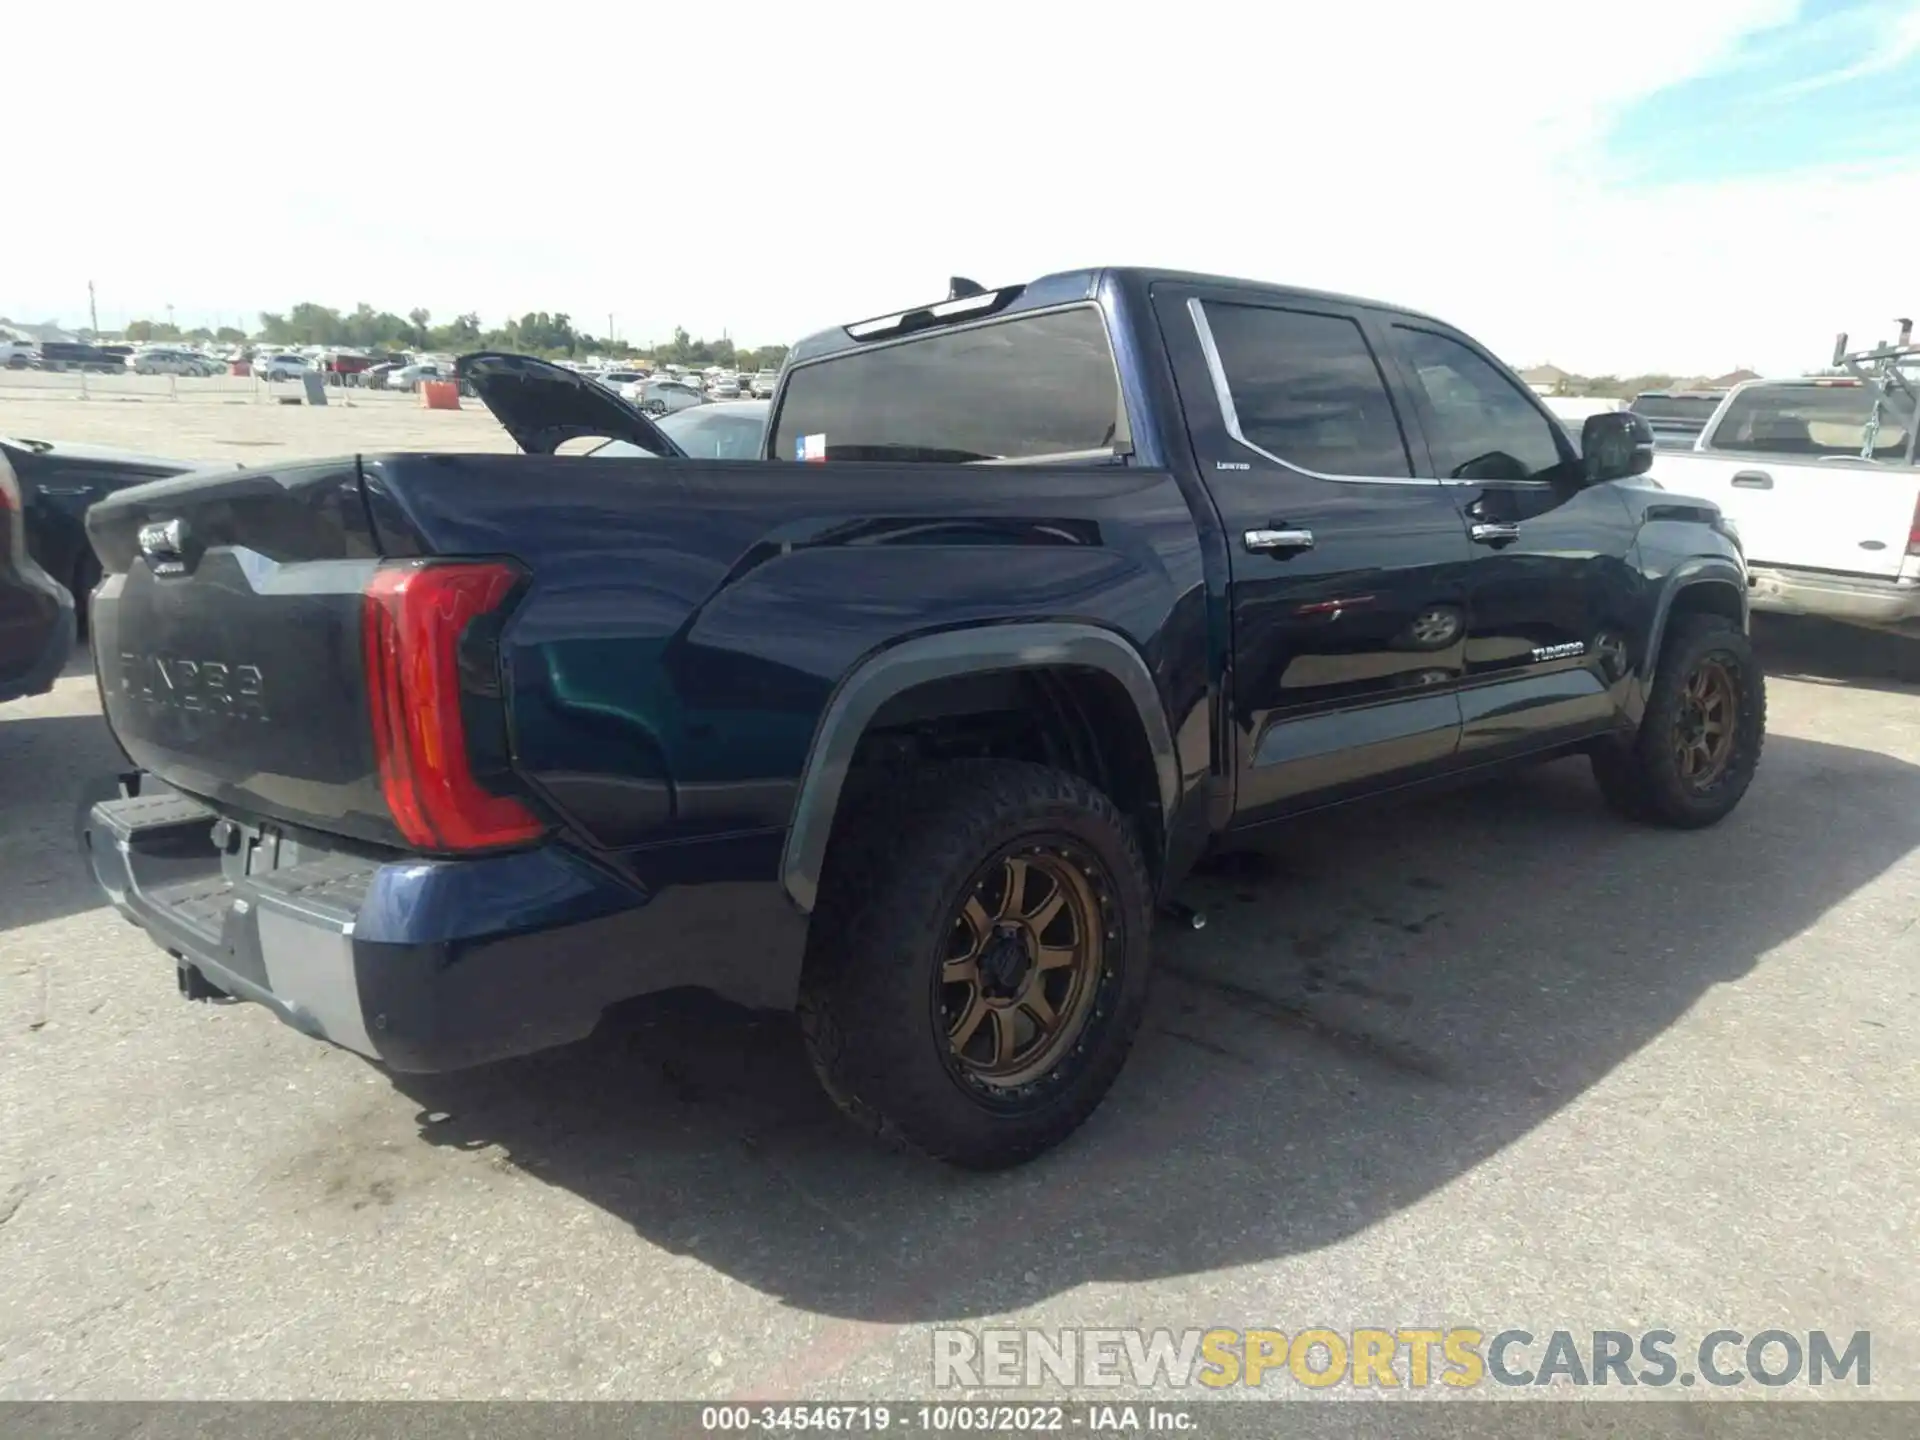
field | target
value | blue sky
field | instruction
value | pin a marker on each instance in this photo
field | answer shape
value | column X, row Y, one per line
column 1839, row 84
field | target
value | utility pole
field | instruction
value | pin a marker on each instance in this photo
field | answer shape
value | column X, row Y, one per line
column 609, row 329
column 93, row 311
column 170, row 317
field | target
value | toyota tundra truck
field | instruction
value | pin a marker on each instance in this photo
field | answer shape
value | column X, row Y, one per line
column 913, row 723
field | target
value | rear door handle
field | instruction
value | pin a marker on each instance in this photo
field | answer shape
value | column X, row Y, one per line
column 1266, row 542
column 1488, row 534
column 1753, row 480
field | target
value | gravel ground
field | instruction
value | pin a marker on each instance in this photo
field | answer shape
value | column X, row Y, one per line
column 1495, row 1059
column 226, row 419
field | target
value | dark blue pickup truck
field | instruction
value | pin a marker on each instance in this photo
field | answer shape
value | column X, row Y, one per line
column 1039, row 593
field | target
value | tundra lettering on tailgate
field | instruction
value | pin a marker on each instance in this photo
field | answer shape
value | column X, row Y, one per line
column 209, row 687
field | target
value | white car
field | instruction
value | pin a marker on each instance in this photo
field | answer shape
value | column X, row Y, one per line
column 408, row 377
column 282, row 366
column 662, row 397
column 763, row 384
column 18, row 354
column 730, row 430
column 1822, row 486
column 169, row 362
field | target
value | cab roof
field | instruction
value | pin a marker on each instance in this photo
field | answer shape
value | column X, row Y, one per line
column 1065, row 287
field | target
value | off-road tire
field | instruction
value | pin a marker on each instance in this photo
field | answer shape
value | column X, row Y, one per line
column 1640, row 778
column 895, row 876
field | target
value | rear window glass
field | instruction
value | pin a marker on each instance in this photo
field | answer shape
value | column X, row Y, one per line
column 1812, row 420
column 1017, row 389
column 1675, row 407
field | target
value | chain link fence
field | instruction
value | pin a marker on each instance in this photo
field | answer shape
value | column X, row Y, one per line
column 224, row 389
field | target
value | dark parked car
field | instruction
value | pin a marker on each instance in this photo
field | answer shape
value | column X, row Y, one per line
column 72, row 355
column 57, row 482
column 1677, row 416
column 440, row 755
column 36, row 612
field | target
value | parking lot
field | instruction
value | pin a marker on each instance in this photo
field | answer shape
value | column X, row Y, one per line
column 1496, row 1059
column 232, row 418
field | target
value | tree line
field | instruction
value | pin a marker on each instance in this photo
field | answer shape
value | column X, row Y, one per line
column 1616, row 388
column 538, row 332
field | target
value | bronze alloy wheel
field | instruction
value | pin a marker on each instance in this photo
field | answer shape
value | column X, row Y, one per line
column 1703, row 737
column 1022, row 967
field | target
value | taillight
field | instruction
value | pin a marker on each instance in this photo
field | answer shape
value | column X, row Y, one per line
column 414, row 619
column 1913, row 530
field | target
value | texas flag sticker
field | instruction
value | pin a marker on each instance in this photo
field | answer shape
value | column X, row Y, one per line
column 810, row 447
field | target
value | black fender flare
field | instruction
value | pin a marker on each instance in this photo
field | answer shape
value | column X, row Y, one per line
column 972, row 650
column 1695, row 570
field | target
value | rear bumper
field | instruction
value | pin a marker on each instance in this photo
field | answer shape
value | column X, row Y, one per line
column 46, row 620
column 1857, row 599
column 425, row 965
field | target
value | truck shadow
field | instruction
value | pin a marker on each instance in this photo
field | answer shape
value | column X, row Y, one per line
column 1379, row 1003
column 1822, row 652
column 45, row 760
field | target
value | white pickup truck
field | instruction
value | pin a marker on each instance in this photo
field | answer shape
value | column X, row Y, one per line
column 1827, row 530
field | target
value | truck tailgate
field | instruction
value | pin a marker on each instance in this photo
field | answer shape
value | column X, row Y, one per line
column 1850, row 517
column 227, row 638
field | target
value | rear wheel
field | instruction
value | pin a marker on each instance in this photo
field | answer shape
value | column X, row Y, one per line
column 977, row 964
column 1698, row 746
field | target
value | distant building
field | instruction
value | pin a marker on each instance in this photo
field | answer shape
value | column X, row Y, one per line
column 1545, row 379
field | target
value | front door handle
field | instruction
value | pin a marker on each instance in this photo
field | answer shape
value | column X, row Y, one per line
column 1267, row 542
column 1753, row 480
column 1491, row 534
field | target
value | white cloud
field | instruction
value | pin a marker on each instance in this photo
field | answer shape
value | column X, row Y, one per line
column 1889, row 35
column 773, row 168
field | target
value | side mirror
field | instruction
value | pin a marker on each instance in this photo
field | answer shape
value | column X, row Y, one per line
column 1614, row 445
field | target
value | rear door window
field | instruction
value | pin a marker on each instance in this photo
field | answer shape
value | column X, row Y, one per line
column 1026, row 388
column 1306, row 390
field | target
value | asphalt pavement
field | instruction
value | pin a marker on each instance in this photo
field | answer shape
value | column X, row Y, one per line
column 1496, row 1059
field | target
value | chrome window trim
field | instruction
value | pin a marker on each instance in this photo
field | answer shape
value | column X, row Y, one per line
column 1102, row 452
column 1222, row 392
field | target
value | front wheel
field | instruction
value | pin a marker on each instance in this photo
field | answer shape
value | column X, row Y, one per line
column 1698, row 746
column 977, row 965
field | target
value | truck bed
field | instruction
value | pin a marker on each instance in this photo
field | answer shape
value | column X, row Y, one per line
column 646, row 683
